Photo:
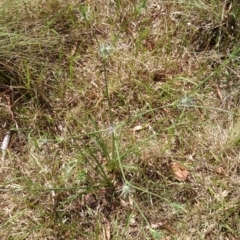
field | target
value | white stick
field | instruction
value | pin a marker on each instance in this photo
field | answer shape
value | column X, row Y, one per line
column 5, row 143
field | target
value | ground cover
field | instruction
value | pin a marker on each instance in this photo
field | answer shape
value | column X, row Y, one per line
column 124, row 118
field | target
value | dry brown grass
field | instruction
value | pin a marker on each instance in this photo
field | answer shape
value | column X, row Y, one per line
column 104, row 96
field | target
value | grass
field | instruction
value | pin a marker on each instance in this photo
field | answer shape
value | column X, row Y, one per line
column 103, row 98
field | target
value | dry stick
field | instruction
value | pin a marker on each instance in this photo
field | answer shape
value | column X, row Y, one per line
column 222, row 18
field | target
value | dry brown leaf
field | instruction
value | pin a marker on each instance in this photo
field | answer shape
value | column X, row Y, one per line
column 220, row 170
column 127, row 204
column 179, row 171
column 169, row 228
column 162, row 225
column 123, row 203
column 167, row 238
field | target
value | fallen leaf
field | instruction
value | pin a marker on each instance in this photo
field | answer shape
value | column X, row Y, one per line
column 162, row 225
column 155, row 225
column 137, row 128
column 169, row 228
column 167, row 238
column 179, row 171
column 127, row 204
column 220, row 170
column 132, row 221
column 123, row 203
